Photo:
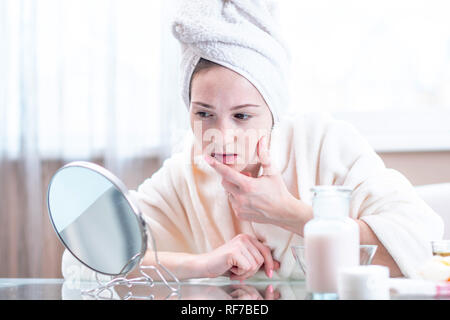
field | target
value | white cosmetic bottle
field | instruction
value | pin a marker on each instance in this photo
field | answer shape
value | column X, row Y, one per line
column 331, row 241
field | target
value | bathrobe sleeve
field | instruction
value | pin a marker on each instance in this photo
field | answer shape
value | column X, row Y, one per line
column 382, row 197
column 159, row 199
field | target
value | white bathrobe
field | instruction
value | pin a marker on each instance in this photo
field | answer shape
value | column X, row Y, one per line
column 188, row 209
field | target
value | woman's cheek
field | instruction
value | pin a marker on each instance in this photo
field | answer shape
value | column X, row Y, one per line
column 255, row 158
column 253, row 153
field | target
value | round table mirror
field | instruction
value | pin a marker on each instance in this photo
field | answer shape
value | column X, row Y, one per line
column 94, row 217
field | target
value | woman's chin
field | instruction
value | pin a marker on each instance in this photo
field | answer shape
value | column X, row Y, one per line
column 235, row 162
column 239, row 167
column 235, row 166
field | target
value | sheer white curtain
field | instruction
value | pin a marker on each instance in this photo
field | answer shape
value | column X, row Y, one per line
column 94, row 72
column 91, row 80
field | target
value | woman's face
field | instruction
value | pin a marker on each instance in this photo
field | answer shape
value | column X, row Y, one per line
column 228, row 117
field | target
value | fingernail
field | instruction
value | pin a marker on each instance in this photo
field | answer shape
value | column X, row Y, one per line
column 270, row 273
column 241, row 281
column 270, row 288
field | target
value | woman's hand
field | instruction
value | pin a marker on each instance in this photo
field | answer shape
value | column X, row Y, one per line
column 241, row 258
column 264, row 199
column 245, row 292
column 231, row 292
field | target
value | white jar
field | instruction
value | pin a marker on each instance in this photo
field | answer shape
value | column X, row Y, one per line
column 364, row 283
column 331, row 239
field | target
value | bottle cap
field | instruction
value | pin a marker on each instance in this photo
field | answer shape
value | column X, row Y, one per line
column 369, row 282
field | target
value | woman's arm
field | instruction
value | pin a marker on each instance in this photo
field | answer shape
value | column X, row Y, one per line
column 239, row 258
column 301, row 213
column 382, row 256
column 182, row 265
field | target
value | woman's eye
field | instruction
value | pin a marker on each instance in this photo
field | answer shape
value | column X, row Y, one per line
column 203, row 114
column 242, row 116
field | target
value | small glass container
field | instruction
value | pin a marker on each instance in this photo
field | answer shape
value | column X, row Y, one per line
column 441, row 248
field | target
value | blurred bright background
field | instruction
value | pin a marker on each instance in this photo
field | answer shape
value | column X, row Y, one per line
column 97, row 80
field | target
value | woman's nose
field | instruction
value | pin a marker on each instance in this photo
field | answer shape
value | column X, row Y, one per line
column 229, row 134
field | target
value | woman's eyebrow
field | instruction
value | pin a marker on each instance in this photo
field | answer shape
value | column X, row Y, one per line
column 233, row 108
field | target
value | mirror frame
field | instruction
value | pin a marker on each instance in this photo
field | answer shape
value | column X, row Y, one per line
column 125, row 192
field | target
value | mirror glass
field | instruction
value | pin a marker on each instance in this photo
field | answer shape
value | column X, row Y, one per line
column 95, row 219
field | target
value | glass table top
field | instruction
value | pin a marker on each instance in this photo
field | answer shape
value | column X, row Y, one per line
column 198, row 289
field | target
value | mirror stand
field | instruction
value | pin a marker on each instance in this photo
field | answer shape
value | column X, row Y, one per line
column 144, row 280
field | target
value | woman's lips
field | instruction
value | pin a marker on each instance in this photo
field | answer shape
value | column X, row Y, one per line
column 226, row 158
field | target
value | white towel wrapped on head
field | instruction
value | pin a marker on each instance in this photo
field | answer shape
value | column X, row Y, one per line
column 242, row 35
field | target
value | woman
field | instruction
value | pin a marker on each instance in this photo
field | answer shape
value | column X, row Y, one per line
column 235, row 200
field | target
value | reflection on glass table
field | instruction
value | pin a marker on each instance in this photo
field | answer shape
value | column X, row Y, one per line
column 199, row 289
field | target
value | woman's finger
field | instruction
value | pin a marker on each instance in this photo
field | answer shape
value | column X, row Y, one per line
column 264, row 156
column 276, row 265
column 271, row 293
column 226, row 172
column 256, row 256
column 244, row 292
column 241, row 264
column 267, row 255
column 268, row 295
column 254, row 265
